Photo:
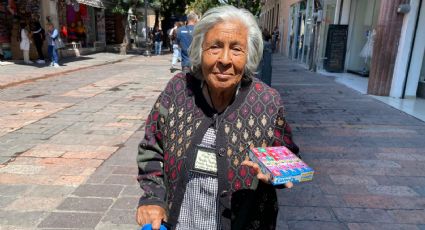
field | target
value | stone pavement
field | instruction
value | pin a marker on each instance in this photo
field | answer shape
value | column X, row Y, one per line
column 369, row 158
column 74, row 152
column 55, row 136
column 16, row 72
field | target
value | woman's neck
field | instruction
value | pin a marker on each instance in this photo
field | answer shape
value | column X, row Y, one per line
column 218, row 100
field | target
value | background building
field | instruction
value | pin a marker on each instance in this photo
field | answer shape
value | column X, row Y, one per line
column 382, row 40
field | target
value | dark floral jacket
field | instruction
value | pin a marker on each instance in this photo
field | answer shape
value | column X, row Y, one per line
column 177, row 123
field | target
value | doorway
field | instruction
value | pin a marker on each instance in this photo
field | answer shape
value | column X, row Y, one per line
column 363, row 20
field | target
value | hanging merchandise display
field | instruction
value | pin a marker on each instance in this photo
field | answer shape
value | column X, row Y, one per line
column 367, row 50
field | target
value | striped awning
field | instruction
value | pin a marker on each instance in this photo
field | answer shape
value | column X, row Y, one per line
column 94, row 3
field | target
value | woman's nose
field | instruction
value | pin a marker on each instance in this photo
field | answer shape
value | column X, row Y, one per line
column 225, row 57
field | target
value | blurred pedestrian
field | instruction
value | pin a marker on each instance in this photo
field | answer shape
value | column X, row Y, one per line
column 25, row 43
column 176, row 49
column 275, row 38
column 184, row 39
column 52, row 35
column 38, row 35
column 157, row 36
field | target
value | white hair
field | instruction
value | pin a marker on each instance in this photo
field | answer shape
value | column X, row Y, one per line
column 222, row 14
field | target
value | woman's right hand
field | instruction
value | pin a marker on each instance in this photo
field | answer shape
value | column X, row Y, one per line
column 151, row 214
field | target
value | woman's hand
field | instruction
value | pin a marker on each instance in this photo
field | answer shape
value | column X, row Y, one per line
column 265, row 178
column 151, row 214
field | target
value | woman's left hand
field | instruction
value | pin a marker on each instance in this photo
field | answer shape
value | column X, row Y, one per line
column 265, row 178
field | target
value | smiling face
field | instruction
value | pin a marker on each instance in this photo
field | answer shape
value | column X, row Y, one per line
column 224, row 55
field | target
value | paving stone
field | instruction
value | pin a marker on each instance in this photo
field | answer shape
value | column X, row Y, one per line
column 71, row 220
column 362, row 226
column 85, row 204
column 408, row 216
column 410, row 202
column 343, row 189
column 4, row 159
column 312, row 196
column 126, row 170
column 34, row 204
column 116, row 216
column 379, row 164
column 419, row 190
column 132, row 190
column 400, row 180
column 391, row 190
column 363, row 215
column 102, row 226
column 6, row 200
column 306, row 213
column 317, row 225
column 356, row 179
column 128, row 203
column 22, row 169
column 282, row 224
column 370, row 201
column 21, row 219
column 13, row 190
column 121, row 180
column 98, row 190
column 50, row 191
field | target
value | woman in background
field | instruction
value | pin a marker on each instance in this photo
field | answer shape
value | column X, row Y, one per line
column 25, row 43
column 52, row 35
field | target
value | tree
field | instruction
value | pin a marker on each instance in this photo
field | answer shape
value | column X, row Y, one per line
column 200, row 6
column 254, row 6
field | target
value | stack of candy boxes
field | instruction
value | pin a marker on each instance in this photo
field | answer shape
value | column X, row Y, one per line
column 282, row 165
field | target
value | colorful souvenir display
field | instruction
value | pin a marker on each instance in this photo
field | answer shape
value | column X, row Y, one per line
column 282, row 165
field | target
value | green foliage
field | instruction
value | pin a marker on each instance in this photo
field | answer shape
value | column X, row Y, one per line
column 254, row 6
column 200, row 6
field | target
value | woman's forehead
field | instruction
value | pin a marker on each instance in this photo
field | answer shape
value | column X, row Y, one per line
column 228, row 29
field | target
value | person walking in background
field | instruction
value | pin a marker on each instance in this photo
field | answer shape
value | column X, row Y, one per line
column 275, row 38
column 192, row 160
column 38, row 35
column 52, row 35
column 176, row 49
column 157, row 36
column 25, row 43
column 184, row 39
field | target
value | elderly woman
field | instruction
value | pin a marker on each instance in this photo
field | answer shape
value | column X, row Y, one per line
column 192, row 161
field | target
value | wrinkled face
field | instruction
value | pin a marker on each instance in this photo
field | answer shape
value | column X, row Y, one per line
column 224, row 55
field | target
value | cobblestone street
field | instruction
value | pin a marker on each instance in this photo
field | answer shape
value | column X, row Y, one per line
column 68, row 147
column 57, row 132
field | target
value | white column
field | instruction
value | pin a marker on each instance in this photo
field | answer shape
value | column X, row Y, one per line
column 404, row 50
column 345, row 15
column 49, row 8
column 417, row 56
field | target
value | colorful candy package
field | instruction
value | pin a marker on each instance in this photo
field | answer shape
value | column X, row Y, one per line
column 282, row 165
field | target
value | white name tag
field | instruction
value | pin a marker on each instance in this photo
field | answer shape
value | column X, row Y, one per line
column 206, row 161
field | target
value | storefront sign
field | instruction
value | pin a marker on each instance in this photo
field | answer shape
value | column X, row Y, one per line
column 94, row 3
column 336, row 47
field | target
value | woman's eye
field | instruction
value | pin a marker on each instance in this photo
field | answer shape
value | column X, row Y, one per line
column 214, row 49
column 237, row 51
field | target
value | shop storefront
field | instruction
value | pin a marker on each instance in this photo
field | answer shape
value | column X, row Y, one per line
column 12, row 13
column 301, row 31
column 363, row 20
column 82, row 22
